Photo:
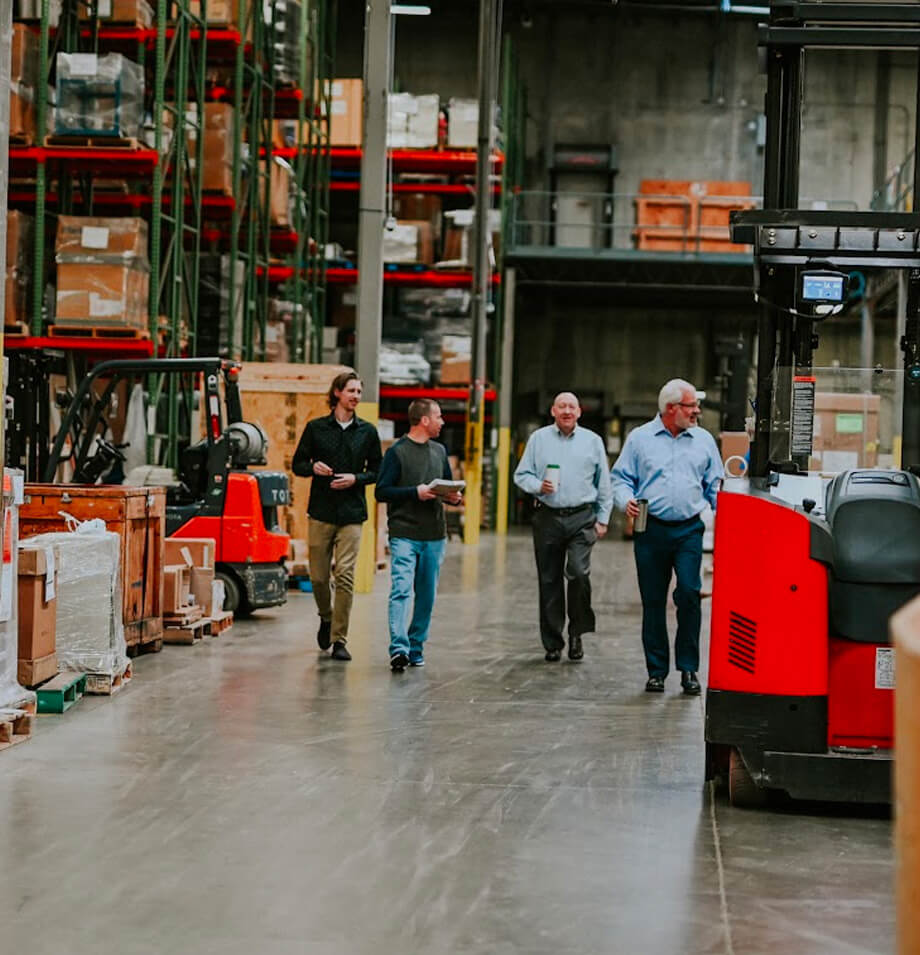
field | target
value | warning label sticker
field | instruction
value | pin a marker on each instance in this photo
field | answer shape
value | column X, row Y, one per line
column 884, row 668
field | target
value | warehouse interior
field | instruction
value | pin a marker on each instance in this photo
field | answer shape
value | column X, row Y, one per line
column 210, row 210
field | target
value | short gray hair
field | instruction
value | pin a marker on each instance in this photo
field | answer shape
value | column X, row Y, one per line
column 673, row 392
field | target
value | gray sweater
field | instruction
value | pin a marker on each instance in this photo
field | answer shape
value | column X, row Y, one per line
column 406, row 465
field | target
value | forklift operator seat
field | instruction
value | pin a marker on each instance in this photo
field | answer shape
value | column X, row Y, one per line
column 874, row 517
column 193, row 469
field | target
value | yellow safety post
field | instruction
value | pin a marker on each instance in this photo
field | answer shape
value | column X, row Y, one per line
column 905, row 633
column 503, row 487
column 472, row 503
column 366, row 569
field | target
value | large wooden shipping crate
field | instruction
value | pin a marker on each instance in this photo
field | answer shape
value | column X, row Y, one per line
column 282, row 398
column 138, row 516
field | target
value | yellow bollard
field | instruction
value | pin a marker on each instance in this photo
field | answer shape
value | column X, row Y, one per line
column 905, row 633
column 366, row 567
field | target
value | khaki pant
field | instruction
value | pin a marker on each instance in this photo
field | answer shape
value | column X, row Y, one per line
column 328, row 541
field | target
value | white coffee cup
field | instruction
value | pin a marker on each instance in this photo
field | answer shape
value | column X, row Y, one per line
column 551, row 474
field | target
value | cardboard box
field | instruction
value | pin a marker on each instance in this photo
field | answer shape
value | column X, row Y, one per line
column 409, row 242
column 412, row 121
column 113, row 295
column 36, row 614
column 15, row 300
column 462, row 123
column 419, row 207
column 24, row 50
column 456, row 360
column 346, row 108
column 220, row 12
column 191, row 551
column 137, row 13
column 22, row 115
column 846, row 430
column 20, row 229
column 95, row 239
column 201, row 585
column 217, row 152
column 176, row 587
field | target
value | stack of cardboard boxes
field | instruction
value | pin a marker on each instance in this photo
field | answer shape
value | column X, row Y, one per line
column 103, row 274
column 37, row 613
column 188, row 588
column 846, row 432
column 23, row 80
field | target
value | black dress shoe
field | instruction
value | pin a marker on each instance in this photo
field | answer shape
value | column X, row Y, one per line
column 655, row 684
column 324, row 634
column 576, row 650
column 690, row 683
column 339, row 652
column 553, row 656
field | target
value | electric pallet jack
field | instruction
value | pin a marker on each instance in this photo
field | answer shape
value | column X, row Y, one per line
column 215, row 494
column 809, row 567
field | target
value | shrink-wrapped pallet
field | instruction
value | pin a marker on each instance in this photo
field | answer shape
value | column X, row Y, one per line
column 90, row 633
column 12, row 695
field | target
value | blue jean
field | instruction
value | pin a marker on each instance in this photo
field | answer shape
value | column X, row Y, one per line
column 414, row 567
column 661, row 549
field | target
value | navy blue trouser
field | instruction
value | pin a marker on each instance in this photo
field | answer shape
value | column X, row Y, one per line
column 661, row 549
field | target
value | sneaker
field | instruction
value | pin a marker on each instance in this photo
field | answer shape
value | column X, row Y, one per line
column 339, row 652
column 324, row 634
column 655, row 685
column 399, row 662
column 416, row 659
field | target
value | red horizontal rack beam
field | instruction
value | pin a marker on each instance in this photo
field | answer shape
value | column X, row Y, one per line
column 442, row 394
column 428, row 278
column 281, row 240
column 430, row 188
column 100, row 346
column 418, row 160
column 213, row 204
column 148, row 35
column 130, row 161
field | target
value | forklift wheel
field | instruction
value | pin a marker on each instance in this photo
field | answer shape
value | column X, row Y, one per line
column 743, row 792
column 231, row 592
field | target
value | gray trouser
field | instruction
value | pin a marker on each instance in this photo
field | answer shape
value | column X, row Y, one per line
column 562, row 543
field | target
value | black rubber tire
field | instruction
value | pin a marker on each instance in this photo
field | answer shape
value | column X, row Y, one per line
column 743, row 792
column 232, row 595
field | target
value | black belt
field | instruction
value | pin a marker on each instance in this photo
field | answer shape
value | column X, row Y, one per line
column 562, row 511
column 687, row 520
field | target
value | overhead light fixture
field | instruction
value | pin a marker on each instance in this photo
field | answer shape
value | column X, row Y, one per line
column 728, row 6
column 410, row 10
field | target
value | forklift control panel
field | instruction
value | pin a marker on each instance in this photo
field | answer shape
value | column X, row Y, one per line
column 823, row 291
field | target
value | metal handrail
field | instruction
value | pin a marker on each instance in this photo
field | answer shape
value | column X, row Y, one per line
column 536, row 219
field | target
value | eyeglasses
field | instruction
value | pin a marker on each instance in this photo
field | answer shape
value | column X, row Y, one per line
column 688, row 404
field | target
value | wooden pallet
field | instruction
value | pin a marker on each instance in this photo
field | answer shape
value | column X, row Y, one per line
column 16, row 724
column 60, row 330
column 20, row 140
column 16, row 330
column 188, row 616
column 149, row 646
column 221, row 621
column 61, row 692
column 94, row 142
column 104, row 684
column 186, row 636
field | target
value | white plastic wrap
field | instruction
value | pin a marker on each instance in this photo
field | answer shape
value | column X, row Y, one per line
column 12, row 695
column 90, row 633
column 99, row 95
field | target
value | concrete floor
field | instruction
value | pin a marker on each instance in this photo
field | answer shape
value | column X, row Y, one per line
column 250, row 795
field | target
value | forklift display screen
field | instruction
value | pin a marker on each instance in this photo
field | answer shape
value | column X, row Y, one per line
column 823, row 288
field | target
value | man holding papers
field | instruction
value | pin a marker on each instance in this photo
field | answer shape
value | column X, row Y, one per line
column 413, row 482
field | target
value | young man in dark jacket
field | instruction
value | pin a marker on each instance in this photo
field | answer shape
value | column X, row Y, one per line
column 341, row 452
column 415, row 517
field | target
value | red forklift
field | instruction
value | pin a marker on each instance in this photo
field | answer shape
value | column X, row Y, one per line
column 809, row 564
column 216, row 494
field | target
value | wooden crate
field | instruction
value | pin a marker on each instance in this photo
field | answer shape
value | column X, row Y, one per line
column 138, row 516
column 282, row 398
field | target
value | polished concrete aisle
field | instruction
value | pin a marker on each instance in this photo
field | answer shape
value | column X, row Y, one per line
column 249, row 795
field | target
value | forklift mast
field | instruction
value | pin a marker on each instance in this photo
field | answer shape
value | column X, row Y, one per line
column 84, row 420
column 787, row 240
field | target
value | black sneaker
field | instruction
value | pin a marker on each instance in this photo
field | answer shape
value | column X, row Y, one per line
column 689, row 682
column 416, row 659
column 324, row 634
column 339, row 652
column 398, row 662
column 553, row 656
column 655, row 685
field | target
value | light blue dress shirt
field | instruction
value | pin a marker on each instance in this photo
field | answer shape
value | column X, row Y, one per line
column 677, row 476
column 583, row 477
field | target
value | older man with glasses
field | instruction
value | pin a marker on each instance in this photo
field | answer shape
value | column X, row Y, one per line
column 675, row 467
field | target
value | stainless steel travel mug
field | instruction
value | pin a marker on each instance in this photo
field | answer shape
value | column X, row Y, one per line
column 641, row 519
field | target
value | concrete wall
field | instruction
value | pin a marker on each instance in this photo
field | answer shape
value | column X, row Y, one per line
column 679, row 94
